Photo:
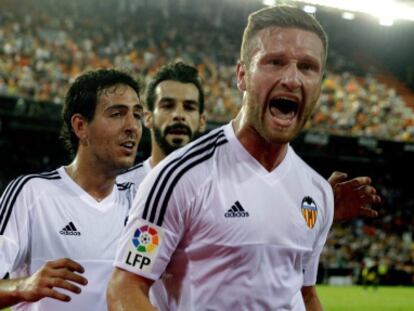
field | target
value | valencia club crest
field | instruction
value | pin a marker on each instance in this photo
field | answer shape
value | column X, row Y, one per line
column 309, row 211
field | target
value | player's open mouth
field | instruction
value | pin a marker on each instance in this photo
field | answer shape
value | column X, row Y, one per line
column 283, row 108
column 128, row 145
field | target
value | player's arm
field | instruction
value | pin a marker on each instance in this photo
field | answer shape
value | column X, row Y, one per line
column 61, row 273
column 311, row 299
column 353, row 198
column 128, row 291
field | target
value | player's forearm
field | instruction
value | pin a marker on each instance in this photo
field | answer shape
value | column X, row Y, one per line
column 10, row 293
column 126, row 294
column 311, row 299
column 126, row 302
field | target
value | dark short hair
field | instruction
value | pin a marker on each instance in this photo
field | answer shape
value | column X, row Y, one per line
column 179, row 72
column 280, row 16
column 82, row 98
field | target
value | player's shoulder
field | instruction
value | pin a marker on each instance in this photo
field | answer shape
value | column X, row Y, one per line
column 187, row 167
column 133, row 176
column 304, row 168
column 135, row 168
column 33, row 181
column 195, row 154
column 26, row 189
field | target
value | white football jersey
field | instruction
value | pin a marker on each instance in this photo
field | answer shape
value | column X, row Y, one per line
column 135, row 174
column 228, row 234
column 48, row 216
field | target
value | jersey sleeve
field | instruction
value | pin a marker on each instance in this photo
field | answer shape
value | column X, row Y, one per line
column 155, row 225
column 311, row 266
column 14, row 227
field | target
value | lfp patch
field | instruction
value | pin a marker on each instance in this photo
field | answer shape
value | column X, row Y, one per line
column 309, row 211
column 144, row 246
column 145, row 239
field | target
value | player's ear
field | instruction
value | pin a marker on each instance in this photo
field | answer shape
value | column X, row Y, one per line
column 241, row 75
column 79, row 127
column 148, row 119
column 203, row 123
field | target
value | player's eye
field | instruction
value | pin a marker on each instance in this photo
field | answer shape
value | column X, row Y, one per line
column 276, row 62
column 190, row 107
column 115, row 114
column 167, row 104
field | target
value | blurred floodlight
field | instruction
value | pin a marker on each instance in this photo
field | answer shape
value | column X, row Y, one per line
column 269, row 2
column 348, row 15
column 309, row 9
column 381, row 9
column 386, row 22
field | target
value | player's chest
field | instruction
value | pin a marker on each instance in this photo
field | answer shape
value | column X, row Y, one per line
column 75, row 230
column 254, row 212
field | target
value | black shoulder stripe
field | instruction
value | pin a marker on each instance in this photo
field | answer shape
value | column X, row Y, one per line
column 132, row 168
column 177, row 178
column 191, row 161
column 157, row 203
column 207, row 139
column 12, row 191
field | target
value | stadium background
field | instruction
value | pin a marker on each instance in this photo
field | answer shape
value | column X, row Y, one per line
column 364, row 124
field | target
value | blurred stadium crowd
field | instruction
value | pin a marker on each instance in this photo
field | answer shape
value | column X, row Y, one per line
column 45, row 44
column 383, row 245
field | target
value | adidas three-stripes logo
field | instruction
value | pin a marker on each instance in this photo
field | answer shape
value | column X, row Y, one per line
column 70, row 229
column 236, row 211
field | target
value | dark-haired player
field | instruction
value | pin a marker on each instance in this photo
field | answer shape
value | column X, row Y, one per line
column 174, row 114
column 59, row 229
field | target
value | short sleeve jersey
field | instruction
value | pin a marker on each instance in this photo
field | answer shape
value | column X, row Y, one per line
column 134, row 176
column 228, row 234
column 48, row 216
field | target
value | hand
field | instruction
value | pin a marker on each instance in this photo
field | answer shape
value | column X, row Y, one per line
column 61, row 273
column 353, row 198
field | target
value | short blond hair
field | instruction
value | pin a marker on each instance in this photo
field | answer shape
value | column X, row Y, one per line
column 279, row 16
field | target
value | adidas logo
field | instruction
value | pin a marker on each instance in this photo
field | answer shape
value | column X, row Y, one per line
column 236, row 211
column 70, row 229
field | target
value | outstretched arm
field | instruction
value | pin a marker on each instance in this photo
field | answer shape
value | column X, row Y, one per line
column 61, row 273
column 353, row 198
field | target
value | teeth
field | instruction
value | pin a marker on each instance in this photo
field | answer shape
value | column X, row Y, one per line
column 128, row 145
column 285, row 98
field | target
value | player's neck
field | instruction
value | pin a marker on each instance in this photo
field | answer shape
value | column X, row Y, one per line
column 269, row 155
column 97, row 183
column 157, row 155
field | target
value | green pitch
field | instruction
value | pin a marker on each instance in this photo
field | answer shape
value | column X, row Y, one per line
column 355, row 298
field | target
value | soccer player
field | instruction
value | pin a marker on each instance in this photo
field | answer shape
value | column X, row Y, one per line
column 236, row 218
column 59, row 229
column 174, row 115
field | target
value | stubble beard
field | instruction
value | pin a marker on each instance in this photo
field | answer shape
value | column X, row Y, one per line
column 257, row 117
column 164, row 145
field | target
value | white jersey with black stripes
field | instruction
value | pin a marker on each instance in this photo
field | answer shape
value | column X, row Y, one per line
column 48, row 216
column 226, row 233
column 135, row 174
